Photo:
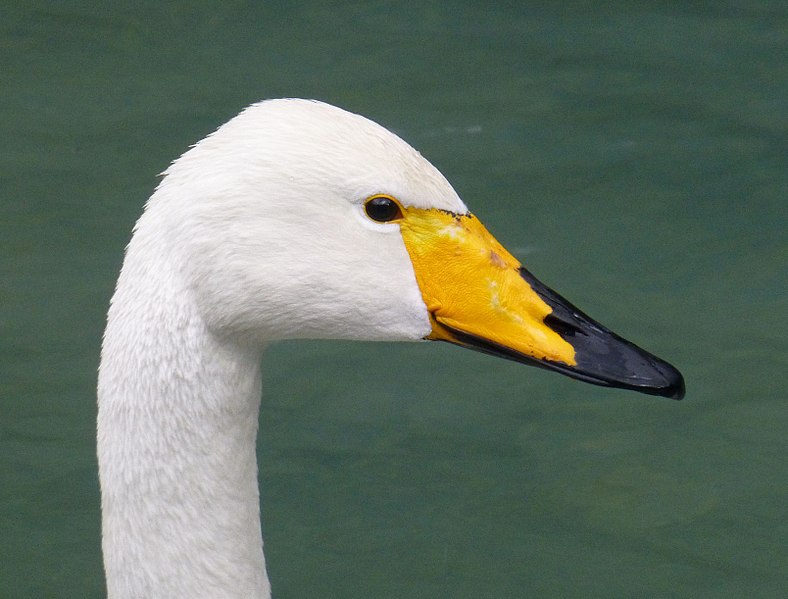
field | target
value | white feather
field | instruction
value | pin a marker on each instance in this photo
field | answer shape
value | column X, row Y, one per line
column 255, row 234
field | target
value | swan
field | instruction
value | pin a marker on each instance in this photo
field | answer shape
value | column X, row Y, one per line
column 295, row 219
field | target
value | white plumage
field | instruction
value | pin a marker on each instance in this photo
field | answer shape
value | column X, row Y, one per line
column 257, row 233
column 295, row 219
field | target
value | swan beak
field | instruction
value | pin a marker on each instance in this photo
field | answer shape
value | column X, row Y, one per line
column 480, row 297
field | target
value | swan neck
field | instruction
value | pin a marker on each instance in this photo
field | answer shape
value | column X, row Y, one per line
column 177, row 426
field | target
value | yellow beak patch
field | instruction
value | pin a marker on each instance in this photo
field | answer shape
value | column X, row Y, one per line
column 472, row 285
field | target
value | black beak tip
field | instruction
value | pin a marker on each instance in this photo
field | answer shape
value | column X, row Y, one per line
column 604, row 358
column 674, row 386
column 626, row 366
column 644, row 372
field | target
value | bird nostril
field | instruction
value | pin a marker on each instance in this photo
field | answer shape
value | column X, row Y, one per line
column 562, row 327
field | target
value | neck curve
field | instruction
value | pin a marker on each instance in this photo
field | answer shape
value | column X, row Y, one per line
column 177, row 425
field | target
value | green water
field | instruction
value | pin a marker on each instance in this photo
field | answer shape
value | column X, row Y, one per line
column 633, row 154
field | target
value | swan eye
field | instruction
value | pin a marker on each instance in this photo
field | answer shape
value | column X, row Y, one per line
column 383, row 209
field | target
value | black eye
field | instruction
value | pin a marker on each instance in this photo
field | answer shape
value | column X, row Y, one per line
column 383, row 209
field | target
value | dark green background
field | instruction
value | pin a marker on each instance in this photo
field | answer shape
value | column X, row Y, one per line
column 633, row 154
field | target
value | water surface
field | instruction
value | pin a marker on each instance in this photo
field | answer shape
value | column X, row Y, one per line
column 632, row 155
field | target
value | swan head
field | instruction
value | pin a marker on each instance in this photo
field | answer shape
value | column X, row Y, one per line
column 297, row 219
